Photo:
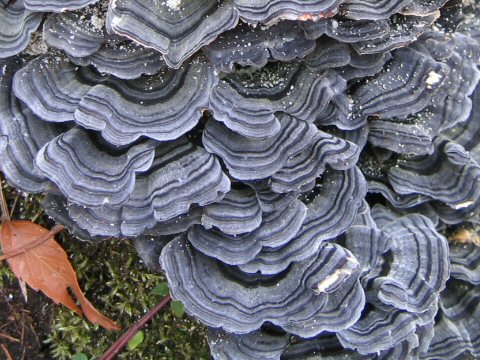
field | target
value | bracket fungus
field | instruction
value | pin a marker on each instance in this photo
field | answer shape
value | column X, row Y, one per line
column 175, row 28
column 56, row 5
column 292, row 166
column 265, row 344
column 78, row 33
column 16, row 25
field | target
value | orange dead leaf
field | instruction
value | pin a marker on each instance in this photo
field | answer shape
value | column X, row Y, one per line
column 46, row 267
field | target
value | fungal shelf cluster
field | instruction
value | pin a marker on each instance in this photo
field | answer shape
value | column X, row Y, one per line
column 291, row 165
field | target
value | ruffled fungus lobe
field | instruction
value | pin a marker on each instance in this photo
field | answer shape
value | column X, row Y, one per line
column 247, row 102
column 326, row 281
column 465, row 262
column 456, row 330
column 272, row 11
column 382, row 330
column 22, row 134
column 291, row 163
column 78, row 33
column 414, row 286
column 163, row 106
column 374, row 10
column 181, row 175
column 16, row 25
column 57, row 5
column 124, row 60
column 175, row 28
column 451, row 163
column 238, row 212
column 86, row 174
column 256, row 46
column 261, row 344
column 276, row 229
column 52, row 87
column 411, row 78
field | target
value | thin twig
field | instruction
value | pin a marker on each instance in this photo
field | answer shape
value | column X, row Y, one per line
column 7, row 354
column 55, row 230
column 3, row 203
column 125, row 338
column 15, row 201
column 8, row 337
column 23, row 337
column 37, row 215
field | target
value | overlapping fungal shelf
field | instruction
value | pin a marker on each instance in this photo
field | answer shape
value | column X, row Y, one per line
column 293, row 167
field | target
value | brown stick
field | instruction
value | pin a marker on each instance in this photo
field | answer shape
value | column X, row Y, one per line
column 15, row 201
column 125, row 338
column 3, row 203
column 55, row 230
column 8, row 337
column 7, row 354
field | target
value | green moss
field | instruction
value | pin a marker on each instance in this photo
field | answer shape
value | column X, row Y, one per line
column 6, row 276
column 118, row 284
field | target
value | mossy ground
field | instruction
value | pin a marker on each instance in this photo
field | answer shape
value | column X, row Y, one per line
column 118, row 284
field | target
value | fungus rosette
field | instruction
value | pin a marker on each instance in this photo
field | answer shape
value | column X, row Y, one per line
column 292, row 166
